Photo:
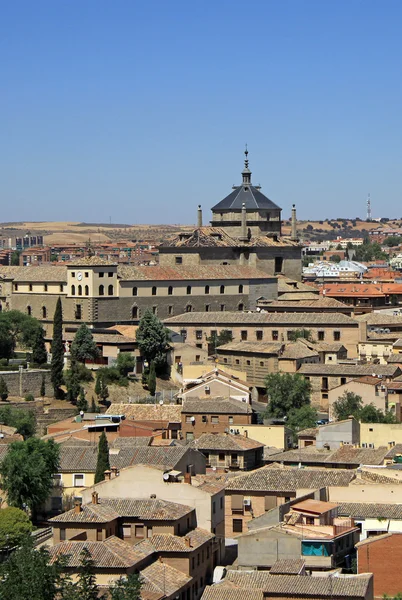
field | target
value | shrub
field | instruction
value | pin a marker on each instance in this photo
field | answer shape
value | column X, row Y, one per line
column 29, row 398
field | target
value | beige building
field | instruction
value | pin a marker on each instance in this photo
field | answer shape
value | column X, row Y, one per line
column 373, row 435
column 274, row 436
column 372, row 390
column 197, row 327
column 216, row 383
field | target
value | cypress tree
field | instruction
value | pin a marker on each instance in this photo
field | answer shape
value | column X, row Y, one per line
column 152, row 379
column 43, row 387
column 3, row 389
column 57, row 351
column 103, row 463
column 39, row 354
column 82, row 403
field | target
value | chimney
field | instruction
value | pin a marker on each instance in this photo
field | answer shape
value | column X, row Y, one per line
column 187, row 541
column 362, row 331
column 199, row 216
column 187, row 478
column 77, row 507
column 245, row 433
column 95, row 498
column 293, row 236
column 108, row 475
column 115, row 471
column 243, row 234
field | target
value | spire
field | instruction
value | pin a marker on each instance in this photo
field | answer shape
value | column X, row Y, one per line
column 246, row 173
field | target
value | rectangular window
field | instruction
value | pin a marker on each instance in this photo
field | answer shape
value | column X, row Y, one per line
column 275, row 335
column 337, row 336
column 221, row 457
column 343, row 380
column 261, row 363
column 30, row 287
column 243, row 335
column 237, row 525
column 321, row 336
column 110, row 274
column 170, row 310
column 198, row 334
column 99, row 535
column 223, row 308
column 259, row 335
column 126, row 531
column 214, row 420
column 62, row 535
column 248, row 362
column 204, row 418
column 101, row 274
column 16, row 287
column 86, row 274
column 78, row 480
column 45, row 287
column 207, row 307
column 289, row 335
column 189, row 419
column 139, row 531
column 78, row 312
column 237, row 361
column 178, row 260
column 230, row 419
column 213, row 507
column 278, row 264
column 183, row 334
column 197, row 358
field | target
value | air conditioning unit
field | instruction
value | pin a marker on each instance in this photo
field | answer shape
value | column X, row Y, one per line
column 232, row 431
column 246, row 502
column 206, row 388
column 192, row 419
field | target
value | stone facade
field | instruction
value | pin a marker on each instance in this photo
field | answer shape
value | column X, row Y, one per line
column 22, row 383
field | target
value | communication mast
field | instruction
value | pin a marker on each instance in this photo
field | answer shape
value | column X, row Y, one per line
column 368, row 208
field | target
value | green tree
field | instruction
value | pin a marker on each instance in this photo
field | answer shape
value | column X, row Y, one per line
column 302, row 418
column 82, row 403
column 23, row 420
column 43, row 387
column 30, row 575
column 101, row 388
column 335, row 258
column 72, row 380
column 57, row 351
column 127, row 588
column 152, row 380
column 86, row 584
column 304, row 334
column 83, row 347
column 125, row 363
column 27, row 472
column 39, row 353
column 6, row 341
column 15, row 258
column 103, row 463
column 286, row 391
column 225, row 336
column 14, row 527
column 370, row 414
column 347, row 405
column 3, row 389
column 153, row 339
column 94, row 406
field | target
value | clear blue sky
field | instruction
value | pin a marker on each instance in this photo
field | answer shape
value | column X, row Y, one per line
column 139, row 110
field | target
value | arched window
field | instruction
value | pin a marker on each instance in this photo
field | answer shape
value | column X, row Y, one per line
column 222, row 290
column 135, row 291
column 80, row 290
column 134, row 312
column 188, row 290
column 44, row 312
column 101, row 290
column 207, row 289
column 240, row 289
column 73, row 290
column 241, row 306
column 170, row 290
column 189, row 308
column 87, row 290
column 29, row 310
column 110, row 290
column 154, row 290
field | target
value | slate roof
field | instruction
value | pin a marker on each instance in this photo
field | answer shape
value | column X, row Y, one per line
column 285, row 480
column 82, row 459
column 113, row 553
column 247, row 194
column 288, row 566
column 344, row 455
column 225, row 442
column 260, row 318
column 108, row 509
column 370, row 510
column 355, row 586
column 219, row 406
column 162, row 579
column 147, row 412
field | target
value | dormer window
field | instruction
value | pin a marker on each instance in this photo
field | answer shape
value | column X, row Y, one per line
column 246, row 189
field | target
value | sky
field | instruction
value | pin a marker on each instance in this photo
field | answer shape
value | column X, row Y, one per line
column 137, row 111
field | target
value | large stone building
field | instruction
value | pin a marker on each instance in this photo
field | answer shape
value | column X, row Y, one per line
column 101, row 293
column 246, row 229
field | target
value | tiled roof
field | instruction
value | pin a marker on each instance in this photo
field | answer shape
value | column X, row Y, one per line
column 355, row 586
column 147, row 412
column 292, row 286
column 288, row 566
column 167, row 542
column 216, row 406
column 344, row 455
column 297, row 350
column 225, row 442
column 382, row 476
column 131, row 442
column 380, row 318
column 217, row 237
column 370, row 510
column 91, row 261
column 309, row 432
column 163, row 579
column 316, row 301
column 351, row 370
column 375, row 538
column 252, row 347
column 286, row 480
column 299, row 296
column 187, row 273
column 33, row 274
column 270, row 451
column 108, row 509
column 261, row 318
column 81, row 459
column 113, row 553
column 224, row 592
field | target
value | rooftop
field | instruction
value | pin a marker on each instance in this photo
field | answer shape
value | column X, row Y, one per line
column 370, row 510
column 314, row 506
column 160, row 578
column 187, row 273
column 225, row 442
column 167, row 542
column 113, row 553
column 288, row 567
column 286, row 480
column 344, row 455
column 261, row 318
column 351, row 370
column 216, row 406
column 147, row 412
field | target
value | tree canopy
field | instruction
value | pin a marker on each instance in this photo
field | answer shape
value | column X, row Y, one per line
column 286, row 391
column 83, row 347
column 351, row 405
column 302, row 418
column 23, row 420
column 14, row 526
column 215, row 340
column 102, row 463
column 152, row 338
column 27, row 472
column 17, row 328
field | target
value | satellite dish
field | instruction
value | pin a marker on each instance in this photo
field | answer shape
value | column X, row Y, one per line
column 161, row 402
column 81, row 413
column 166, row 476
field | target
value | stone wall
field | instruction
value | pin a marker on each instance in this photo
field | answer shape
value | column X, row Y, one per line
column 27, row 382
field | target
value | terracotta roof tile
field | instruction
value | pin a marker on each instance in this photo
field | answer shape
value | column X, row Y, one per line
column 370, row 510
column 261, row 318
column 147, row 412
column 111, row 553
column 219, row 406
column 288, row 566
column 163, row 579
column 226, row 442
column 186, row 273
column 286, row 480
